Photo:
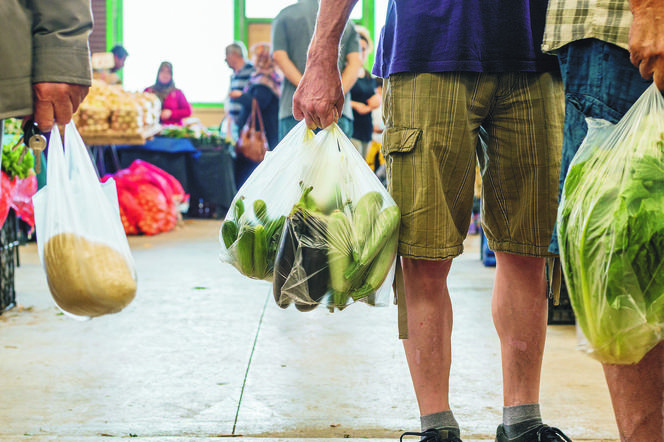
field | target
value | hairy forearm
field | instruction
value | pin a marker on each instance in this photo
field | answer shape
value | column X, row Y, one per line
column 646, row 39
column 639, row 5
column 332, row 18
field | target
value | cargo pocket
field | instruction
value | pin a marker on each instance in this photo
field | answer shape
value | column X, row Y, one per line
column 400, row 140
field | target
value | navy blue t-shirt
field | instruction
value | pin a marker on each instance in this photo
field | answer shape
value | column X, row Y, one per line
column 463, row 35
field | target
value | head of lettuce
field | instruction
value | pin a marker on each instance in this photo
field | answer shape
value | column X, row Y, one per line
column 611, row 232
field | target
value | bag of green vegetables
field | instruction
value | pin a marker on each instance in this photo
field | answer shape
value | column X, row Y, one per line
column 611, row 232
column 330, row 226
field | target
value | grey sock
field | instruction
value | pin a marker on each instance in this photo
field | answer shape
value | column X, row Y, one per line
column 519, row 419
column 443, row 420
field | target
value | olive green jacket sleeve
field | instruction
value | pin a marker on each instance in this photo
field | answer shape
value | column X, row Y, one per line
column 41, row 41
column 60, row 51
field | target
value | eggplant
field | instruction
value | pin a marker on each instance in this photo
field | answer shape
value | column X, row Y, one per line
column 283, row 262
column 311, row 229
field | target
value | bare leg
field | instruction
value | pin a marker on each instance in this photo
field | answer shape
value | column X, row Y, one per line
column 427, row 348
column 519, row 307
column 636, row 394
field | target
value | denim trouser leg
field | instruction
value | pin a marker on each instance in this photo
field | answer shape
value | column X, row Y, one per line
column 600, row 82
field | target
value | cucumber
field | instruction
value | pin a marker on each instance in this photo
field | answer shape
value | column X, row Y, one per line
column 229, row 233
column 260, row 252
column 245, row 250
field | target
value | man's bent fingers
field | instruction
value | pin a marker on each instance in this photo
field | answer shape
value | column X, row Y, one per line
column 646, row 68
column 311, row 122
column 658, row 77
column 635, row 57
column 327, row 121
column 297, row 113
column 44, row 115
column 63, row 111
column 78, row 95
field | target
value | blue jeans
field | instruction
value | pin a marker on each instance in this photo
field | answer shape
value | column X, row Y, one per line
column 288, row 123
column 600, row 82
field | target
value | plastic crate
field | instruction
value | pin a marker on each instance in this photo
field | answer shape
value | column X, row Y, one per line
column 8, row 261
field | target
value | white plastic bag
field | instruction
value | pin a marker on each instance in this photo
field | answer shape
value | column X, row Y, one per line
column 296, row 222
column 80, row 238
column 611, row 231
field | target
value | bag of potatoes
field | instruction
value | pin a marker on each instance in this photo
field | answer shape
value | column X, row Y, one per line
column 82, row 244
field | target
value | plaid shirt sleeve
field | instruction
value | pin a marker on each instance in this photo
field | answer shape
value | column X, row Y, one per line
column 571, row 20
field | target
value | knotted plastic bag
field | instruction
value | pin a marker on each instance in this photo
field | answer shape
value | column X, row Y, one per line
column 611, row 232
column 315, row 221
column 80, row 238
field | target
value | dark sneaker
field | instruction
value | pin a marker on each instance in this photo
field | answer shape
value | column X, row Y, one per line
column 543, row 433
column 434, row 436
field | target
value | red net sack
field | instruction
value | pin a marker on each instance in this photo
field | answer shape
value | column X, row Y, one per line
column 6, row 195
column 22, row 199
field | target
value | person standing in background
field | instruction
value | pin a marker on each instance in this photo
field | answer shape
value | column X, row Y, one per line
column 609, row 54
column 236, row 59
column 455, row 70
column 264, row 86
column 120, row 55
column 292, row 30
column 364, row 97
column 45, row 59
column 174, row 105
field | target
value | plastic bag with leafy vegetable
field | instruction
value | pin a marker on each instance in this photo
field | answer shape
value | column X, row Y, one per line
column 611, row 230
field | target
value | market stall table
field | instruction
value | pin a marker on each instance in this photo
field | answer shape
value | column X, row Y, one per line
column 205, row 173
column 102, row 143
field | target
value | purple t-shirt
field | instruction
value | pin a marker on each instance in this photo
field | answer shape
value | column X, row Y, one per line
column 463, row 35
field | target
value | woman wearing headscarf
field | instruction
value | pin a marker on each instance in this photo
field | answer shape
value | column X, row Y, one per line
column 264, row 86
column 174, row 105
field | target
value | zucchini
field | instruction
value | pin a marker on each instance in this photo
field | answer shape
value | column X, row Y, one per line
column 339, row 300
column 385, row 227
column 364, row 216
column 260, row 210
column 380, row 267
column 283, row 264
column 229, row 233
column 238, row 208
column 260, row 252
column 245, row 250
column 340, row 252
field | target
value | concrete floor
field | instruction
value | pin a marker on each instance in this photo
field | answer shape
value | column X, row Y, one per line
column 204, row 353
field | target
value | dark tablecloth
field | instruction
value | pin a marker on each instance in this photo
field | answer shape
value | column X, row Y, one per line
column 205, row 174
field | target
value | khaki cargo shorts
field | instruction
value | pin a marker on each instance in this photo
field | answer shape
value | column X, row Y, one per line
column 441, row 126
